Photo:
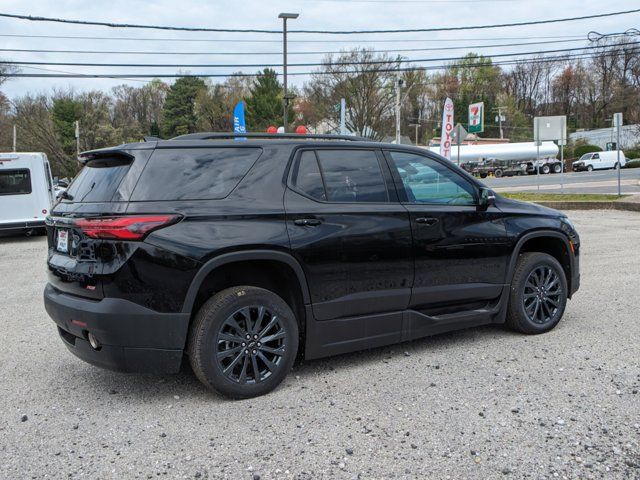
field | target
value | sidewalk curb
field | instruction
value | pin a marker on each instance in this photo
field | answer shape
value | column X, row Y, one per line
column 588, row 205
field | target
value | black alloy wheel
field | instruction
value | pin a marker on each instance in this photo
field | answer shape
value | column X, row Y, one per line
column 243, row 341
column 251, row 344
column 538, row 293
column 542, row 295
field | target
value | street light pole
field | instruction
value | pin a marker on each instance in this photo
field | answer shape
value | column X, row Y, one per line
column 285, row 113
column 417, row 125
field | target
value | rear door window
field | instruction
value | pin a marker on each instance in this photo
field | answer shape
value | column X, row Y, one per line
column 352, row 176
column 194, row 174
column 307, row 178
column 15, row 182
column 98, row 181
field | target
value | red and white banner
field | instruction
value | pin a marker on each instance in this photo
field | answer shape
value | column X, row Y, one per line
column 447, row 129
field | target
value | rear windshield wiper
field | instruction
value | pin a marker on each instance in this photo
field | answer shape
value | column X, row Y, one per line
column 66, row 196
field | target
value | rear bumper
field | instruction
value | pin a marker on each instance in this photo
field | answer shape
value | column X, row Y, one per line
column 9, row 227
column 133, row 338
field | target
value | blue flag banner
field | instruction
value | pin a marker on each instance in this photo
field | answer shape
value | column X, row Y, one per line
column 238, row 118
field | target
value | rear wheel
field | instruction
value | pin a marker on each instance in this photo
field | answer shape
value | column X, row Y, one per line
column 545, row 169
column 616, row 166
column 557, row 168
column 243, row 342
column 498, row 173
column 538, row 294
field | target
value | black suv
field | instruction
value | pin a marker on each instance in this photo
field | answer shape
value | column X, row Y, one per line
column 243, row 252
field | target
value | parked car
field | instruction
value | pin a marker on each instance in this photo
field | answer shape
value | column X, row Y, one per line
column 546, row 165
column 26, row 192
column 242, row 255
column 599, row 161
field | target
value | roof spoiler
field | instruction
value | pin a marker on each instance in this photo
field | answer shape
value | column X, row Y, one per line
column 272, row 136
column 85, row 157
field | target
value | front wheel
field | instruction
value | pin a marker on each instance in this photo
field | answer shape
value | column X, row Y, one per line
column 538, row 294
column 590, row 168
column 243, row 342
column 498, row 173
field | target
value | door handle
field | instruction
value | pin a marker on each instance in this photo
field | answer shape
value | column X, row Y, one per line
column 307, row 222
column 427, row 220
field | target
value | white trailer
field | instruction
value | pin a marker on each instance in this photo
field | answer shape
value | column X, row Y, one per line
column 523, row 151
column 26, row 192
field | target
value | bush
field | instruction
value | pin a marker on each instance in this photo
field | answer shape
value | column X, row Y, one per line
column 631, row 154
column 633, row 163
column 582, row 149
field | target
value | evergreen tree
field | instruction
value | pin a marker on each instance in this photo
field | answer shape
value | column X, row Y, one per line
column 264, row 105
column 64, row 114
column 179, row 115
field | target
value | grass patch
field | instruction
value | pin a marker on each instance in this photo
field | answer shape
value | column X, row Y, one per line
column 561, row 197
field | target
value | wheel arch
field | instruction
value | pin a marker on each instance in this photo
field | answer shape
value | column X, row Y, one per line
column 245, row 256
column 551, row 242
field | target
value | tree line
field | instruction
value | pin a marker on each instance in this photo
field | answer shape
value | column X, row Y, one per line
column 588, row 90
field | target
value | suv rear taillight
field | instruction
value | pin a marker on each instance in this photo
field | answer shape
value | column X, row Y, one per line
column 131, row 227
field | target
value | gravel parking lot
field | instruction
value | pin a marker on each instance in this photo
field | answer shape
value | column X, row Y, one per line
column 482, row 403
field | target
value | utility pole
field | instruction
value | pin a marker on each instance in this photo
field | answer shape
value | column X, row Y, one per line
column 15, row 138
column 398, row 92
column 77, row 122
column 285, row 114
column 617, row 122
column 343, row 122
column 417, row 125
column 500, row 119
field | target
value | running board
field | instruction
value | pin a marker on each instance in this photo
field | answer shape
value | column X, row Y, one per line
column 333, row 337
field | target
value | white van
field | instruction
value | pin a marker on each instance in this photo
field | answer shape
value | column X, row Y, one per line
column 599, row 161
column 26, row 192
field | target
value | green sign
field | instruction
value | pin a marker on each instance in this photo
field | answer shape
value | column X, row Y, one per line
column 476, row 117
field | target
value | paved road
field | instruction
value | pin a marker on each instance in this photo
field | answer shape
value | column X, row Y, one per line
column 602, row 181
column 482, row 403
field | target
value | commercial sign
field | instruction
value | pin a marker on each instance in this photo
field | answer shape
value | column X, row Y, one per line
column 476, row 117
column 447, row 129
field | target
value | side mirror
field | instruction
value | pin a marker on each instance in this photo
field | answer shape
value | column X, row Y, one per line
column 486, row 198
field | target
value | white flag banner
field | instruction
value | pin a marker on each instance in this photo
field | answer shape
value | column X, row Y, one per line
column 447, row 129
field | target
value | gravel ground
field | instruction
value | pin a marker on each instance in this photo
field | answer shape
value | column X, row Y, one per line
column 481, row 403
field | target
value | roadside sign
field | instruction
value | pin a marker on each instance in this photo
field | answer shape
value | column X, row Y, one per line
column 476, row 117
column 459, row 133
column 550, row 128
column 617, row 120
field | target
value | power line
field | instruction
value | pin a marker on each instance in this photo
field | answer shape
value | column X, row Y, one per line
column 304, row 64
column 294, row 41
column 387, row 70
column 322, row 32
column 325, row 52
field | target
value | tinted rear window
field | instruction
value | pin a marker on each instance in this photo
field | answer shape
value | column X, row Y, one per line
column 194, row 174
column 15, row 182
column 98, row 180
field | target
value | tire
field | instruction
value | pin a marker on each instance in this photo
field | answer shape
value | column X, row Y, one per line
column 227, row 313
column 498, row 173
column 557, row 168
column 523, row 315
column 545, row 169
column 483, row 175
column 590, row 168
column 616, row 165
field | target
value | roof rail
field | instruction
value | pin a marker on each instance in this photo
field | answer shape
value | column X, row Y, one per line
column 272, row 136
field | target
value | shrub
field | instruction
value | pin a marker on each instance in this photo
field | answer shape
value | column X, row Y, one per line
column 582, row 149
column 633, row 163
column 631, row 154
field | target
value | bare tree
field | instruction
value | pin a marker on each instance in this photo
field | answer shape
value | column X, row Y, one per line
column 367, row 87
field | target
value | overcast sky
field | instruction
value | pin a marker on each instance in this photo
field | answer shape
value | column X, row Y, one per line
column 314, row 14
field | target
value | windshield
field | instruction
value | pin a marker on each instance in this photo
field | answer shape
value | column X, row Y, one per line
column 586, row 156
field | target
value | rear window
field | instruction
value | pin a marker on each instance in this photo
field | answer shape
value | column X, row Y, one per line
column 98, row 181
column 15, row 182
column 194, row 174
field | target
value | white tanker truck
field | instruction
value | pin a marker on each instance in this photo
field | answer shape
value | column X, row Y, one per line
column 507, row 158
